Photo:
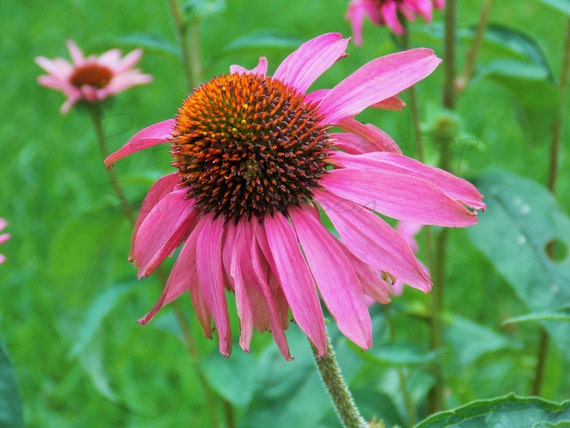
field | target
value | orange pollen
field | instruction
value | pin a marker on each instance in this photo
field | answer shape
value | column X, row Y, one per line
column 93, row 74
column 248, row 145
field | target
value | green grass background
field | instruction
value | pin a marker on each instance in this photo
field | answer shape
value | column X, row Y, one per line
column 69, row 243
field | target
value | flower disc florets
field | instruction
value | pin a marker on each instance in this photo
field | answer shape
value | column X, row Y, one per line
column 94, row 75
column 247, row 144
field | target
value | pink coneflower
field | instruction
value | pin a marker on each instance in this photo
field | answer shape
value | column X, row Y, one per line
column 3, row 237
column 385, row 12
column 91, row 78
column 255, row 157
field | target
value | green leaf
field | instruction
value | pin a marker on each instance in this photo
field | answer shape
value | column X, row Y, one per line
column 508, row 411
column 199, row 9
column 242, row 371
column 397, row 354
column 471, row 340
column 148, row 41
column 562, row 315
column 561, row 5
column 521, row 45
column 521, row 220
column 264, row 39
column 96, row 313
column 10, row 404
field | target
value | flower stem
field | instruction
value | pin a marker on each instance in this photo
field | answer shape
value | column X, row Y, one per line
column 190, row 52
column 97, row 117
column 463, row 79
column 337, row 388
column 435, row 397
column 552, row 178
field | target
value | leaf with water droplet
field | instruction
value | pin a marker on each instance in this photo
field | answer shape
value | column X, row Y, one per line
column 515, row 233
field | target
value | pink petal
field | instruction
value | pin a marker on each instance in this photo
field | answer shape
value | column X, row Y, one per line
column 150, row 136
column 455, row 187
column 4, row 237
column 244, row 307
column 183, row 277
column 389, row 12
column 260, row 69
column 301, row 68
column 210, row 277
column 129, row 61
column 355, row 14
column 337, row 281
column 372, row 240
column 296, row 280
column 399, row 196
column 163, row 230
column 110, row 59
column 57, row 67
column 75, row 52
column 371, row 280
column 162, row 187
column 377, row 139
column 392, row 103
column 376, row 81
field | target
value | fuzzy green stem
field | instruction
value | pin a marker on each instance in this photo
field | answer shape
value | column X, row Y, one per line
column 449, row 52
column 463, row 79
column 552, row 178
column 337, row 388
column 97, row 117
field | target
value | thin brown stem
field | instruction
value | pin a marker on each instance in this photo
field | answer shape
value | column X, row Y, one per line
column 554, row 166
column 465, row 76
column 97, row 117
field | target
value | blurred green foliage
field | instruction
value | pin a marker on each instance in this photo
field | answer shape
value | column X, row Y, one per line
column 82, row 360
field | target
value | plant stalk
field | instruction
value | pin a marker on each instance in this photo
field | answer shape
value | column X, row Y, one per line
column 554, row 166
column 463, row 79
column 338, row 390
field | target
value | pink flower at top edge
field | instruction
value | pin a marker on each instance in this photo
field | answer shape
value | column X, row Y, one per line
column 255, row 158
column 385, row 12
column 3, row 238
column 92, row 78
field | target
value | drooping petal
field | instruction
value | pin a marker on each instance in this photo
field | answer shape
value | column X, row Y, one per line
column 455, row 187
column 301, row 68
column 392, row 103
column 400, row 196
column 184, row 277
column 152, row 135
column 335, row 277
column 233, row 238
column 372, row 240
column 389, row 12
column 163, row 230
column 260, row 68
column 296, row 279
column 376, row 81
column 374, row 135
column 210, row 276
column 162, row 187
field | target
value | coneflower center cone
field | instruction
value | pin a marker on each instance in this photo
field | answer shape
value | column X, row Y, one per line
column 94, row 75
column 248, row 145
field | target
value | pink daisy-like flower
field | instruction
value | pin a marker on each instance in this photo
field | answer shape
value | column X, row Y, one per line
column 256, row 156
column 3, row 238
column 91, row 78
column 385, row 12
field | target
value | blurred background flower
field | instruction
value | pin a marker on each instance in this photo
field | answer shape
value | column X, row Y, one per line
column 91, row 78
column 3, row 238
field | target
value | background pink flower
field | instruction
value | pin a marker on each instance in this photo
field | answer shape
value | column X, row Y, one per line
column 255, row 159
column 3, row 237
column 385, row 12
column 91, row 78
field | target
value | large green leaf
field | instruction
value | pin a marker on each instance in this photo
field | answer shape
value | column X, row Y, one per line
column 502, row 412
column 561, row 5
column 10, row 405
column 522, row 218
column 264, row 39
